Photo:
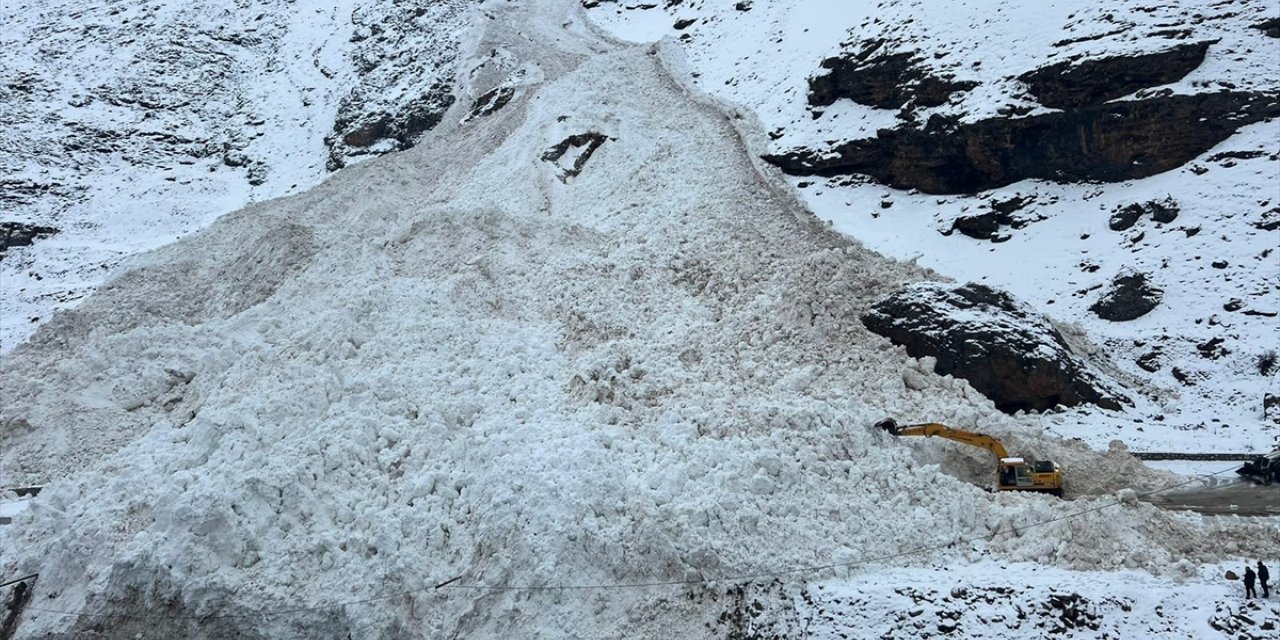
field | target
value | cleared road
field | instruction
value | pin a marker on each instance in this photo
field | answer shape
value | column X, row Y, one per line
column 1222, row 496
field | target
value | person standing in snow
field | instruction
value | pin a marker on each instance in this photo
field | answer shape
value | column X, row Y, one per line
column 1263, row 576
column 1248, row 582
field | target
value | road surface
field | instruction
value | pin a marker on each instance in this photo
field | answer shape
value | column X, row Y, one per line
column 1222, row 496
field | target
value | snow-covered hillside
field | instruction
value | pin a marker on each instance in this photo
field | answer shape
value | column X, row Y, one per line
column 127, row 125
column 1200, row 363
column 577, row 364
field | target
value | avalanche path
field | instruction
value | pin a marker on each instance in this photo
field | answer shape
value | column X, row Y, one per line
column 578, row 338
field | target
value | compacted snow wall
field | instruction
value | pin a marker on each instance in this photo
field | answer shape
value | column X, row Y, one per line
column 465, row 362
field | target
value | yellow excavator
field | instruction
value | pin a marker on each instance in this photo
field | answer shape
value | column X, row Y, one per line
column 1012, row 473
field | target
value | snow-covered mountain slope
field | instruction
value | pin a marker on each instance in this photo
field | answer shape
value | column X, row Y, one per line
column 127, row 125
column 582, row 339
column 1199, row 364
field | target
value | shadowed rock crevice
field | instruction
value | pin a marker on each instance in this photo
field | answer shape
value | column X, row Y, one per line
column 1069, row 84
column 1004, row 349
column 1109, row 143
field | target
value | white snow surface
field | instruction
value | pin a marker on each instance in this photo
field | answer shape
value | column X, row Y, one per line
column 453, row 362
column 10, row 509
column 1014, row 600
column 760, row 60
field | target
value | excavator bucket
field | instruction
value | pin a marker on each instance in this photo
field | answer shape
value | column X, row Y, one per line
column 888, row 424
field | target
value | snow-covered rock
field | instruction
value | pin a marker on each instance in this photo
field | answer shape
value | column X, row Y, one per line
column 1005, row 350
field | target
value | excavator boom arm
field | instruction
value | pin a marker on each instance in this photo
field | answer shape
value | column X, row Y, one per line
column 931, row 429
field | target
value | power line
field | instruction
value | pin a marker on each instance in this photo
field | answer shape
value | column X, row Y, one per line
column 746, row 577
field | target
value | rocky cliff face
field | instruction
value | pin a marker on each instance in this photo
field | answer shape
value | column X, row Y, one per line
column 1109, row 142
column 1090, row 139
column 405, row 58
column 1069, row 84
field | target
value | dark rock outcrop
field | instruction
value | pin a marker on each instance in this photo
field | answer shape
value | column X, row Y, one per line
column 1123, row 218
column 980, row 226
column 1068, row 85
column 1151, row 360
column 572, row 153
column 987, row 225
column 1268, row 220
column 405, row 57
column 878, row 79
column 1270, row 27
column 1004, row 349
column 492, row 100
column 354, row 131
column 1110, row 143
column 1130, row 296
column 21, row 234
column 1163, row 211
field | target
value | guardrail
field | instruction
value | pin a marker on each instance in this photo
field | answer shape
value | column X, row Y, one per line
column 1158, row 455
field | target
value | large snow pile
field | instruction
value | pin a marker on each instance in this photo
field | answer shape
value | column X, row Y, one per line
column 502, row 359
column 1197, row 362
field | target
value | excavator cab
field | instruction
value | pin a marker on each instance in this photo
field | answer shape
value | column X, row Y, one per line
column 1019, row 474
